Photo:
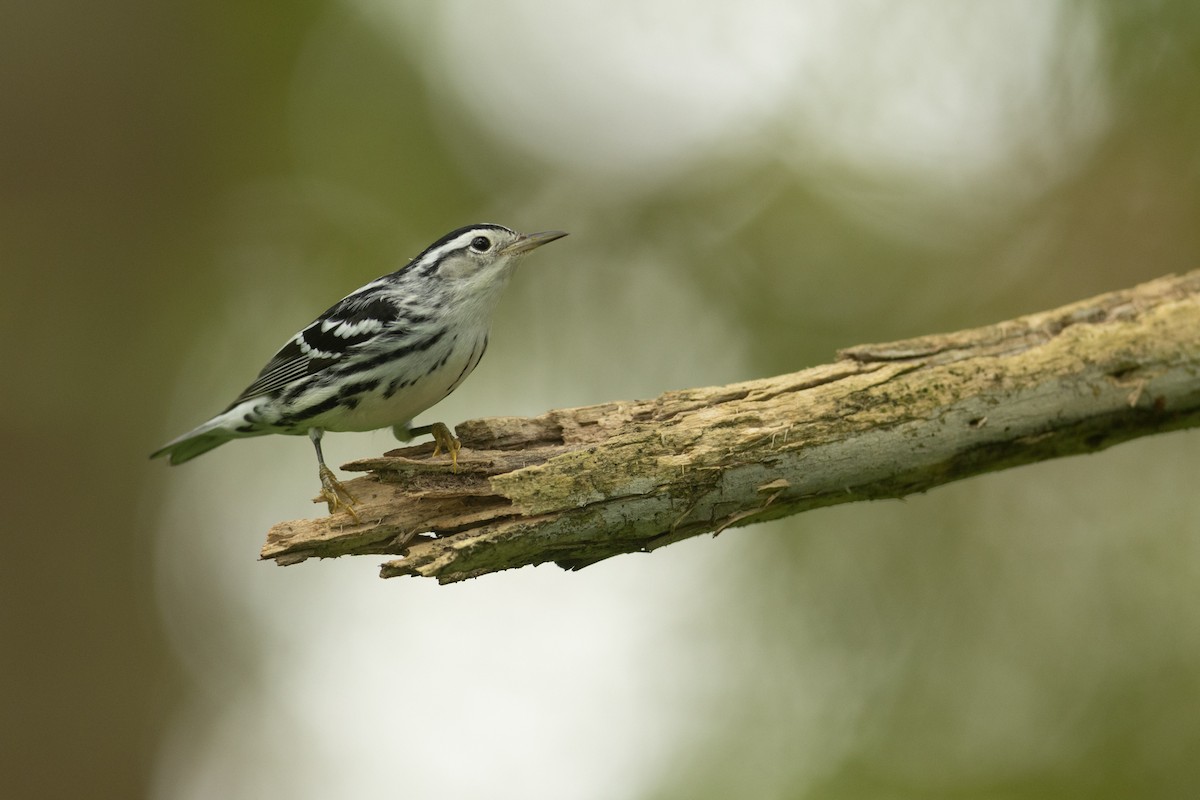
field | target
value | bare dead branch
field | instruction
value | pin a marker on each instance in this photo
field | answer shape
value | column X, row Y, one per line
column 578, row 485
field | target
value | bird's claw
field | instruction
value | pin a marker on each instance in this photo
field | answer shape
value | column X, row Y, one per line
column 444, row 439
column 335, row 494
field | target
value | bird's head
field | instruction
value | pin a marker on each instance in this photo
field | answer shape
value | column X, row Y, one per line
column 478, row 255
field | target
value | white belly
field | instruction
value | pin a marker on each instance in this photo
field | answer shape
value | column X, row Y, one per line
column 434, row 376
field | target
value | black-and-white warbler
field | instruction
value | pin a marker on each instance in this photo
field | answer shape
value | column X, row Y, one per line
column 379, row 356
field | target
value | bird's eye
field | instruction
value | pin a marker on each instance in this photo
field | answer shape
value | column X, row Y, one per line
column 480, row 244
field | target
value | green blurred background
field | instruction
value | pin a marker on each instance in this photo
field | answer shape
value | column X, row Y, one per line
column 748, row 188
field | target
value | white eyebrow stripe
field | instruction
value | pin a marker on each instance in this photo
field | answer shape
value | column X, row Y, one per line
column 457, row 243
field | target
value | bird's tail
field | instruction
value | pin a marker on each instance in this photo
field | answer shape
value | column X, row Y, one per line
column 188, row 446
column 214, row 433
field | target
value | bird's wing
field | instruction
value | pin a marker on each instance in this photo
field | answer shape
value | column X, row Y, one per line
column 350, row 323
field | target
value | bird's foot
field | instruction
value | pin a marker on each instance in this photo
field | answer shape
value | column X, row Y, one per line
column 335, row 494
column 444, row 439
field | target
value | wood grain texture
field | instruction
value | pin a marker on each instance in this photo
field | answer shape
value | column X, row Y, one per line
column 575, row 486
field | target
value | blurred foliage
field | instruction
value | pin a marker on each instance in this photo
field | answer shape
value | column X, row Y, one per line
column 182, row 185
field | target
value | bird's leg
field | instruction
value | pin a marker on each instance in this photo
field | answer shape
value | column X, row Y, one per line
column 333, row 492
column 443, row 439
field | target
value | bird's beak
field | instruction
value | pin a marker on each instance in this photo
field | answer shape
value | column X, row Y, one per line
column 531, row 240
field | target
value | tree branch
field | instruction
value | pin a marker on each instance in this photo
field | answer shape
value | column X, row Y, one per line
column 575, row 486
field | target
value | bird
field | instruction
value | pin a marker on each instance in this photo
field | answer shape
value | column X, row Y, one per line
column 379, row 356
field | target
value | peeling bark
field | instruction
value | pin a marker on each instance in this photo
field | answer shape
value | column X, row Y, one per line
column 575, row 486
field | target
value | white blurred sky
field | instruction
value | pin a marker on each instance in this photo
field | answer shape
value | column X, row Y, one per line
column 938, row 94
